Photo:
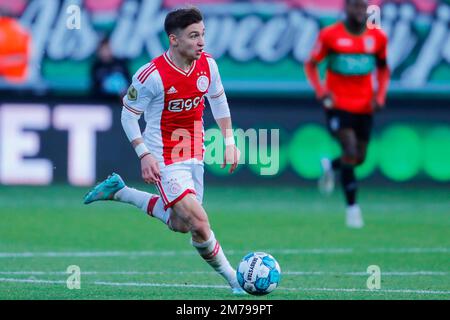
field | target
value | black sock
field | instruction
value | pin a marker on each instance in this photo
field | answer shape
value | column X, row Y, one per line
column 349, row 184
column 336, row 164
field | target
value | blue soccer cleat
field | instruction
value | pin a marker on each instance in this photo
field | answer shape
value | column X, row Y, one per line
column 105, row 190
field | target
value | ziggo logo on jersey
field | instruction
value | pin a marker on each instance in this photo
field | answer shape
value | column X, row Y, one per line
column 179, row 105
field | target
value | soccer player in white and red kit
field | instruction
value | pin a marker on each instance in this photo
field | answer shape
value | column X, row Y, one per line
column 169, row 91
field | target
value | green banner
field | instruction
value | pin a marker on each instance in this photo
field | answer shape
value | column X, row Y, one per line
column 400, row 152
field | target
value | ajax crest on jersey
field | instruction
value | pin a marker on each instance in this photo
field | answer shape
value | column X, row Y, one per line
column 202, row 83
column 258, row 273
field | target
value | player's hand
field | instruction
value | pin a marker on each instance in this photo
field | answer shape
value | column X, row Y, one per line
column 150, row 169
column 231, row 156
column 377, row 106
column 327, row 101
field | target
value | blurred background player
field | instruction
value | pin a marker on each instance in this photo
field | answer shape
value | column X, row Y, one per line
column 353, row 52
column 15, row 46
column 170, row 91
column 109, row 74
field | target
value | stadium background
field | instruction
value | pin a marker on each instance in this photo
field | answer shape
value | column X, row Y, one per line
column 262, row 72
column 55, row 133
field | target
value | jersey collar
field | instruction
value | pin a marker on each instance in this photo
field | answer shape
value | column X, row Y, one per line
column 172, row 64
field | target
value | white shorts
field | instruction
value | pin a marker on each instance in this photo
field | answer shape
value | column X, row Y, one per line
column 178, row 180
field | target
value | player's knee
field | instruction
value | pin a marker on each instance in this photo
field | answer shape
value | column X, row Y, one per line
column 178, row 225
column 193, row 217
column 182, row 228
column 349, row 160
column 350, row 154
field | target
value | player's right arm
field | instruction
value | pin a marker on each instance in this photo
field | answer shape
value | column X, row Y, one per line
column 138, row 97
column 319, row 53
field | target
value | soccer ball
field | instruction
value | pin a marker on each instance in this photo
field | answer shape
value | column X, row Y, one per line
column 258, row 273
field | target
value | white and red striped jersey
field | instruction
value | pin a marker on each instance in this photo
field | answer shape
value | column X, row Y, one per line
column 172, row 101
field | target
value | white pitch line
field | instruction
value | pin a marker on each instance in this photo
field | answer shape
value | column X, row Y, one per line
column 292, row 273
column 179, row 285
column 383, row 273
column 90, row 273
column 409, row 250
column 97, row 254
column 91, row 254
column 32, row 281
column 139, row 284
column 439, row 292
column 166, row 285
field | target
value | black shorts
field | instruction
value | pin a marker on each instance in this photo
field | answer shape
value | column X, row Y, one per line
column 360, row 123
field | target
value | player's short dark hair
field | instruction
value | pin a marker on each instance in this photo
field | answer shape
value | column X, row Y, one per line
column 180, row 19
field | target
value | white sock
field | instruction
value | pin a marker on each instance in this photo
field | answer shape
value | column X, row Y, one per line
column 150, row 203
column 212, row 252
column 326, row 164
column 156, row 210
column 135, row 197
column 353, row 207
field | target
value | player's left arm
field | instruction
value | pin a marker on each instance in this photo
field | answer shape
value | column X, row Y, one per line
column 221, row 113
column 383, row 74
column 232, row 153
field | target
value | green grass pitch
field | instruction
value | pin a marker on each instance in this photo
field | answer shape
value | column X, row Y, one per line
column 123, row 254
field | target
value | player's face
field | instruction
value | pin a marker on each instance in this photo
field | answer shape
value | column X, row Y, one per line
column 190, row 42
column 357, row 10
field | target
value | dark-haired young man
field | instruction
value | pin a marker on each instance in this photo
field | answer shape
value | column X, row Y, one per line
column 170, row 92
column 354, row 51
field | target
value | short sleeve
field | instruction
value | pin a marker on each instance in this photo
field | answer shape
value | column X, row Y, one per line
column 320, row 50
column 139, row 95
